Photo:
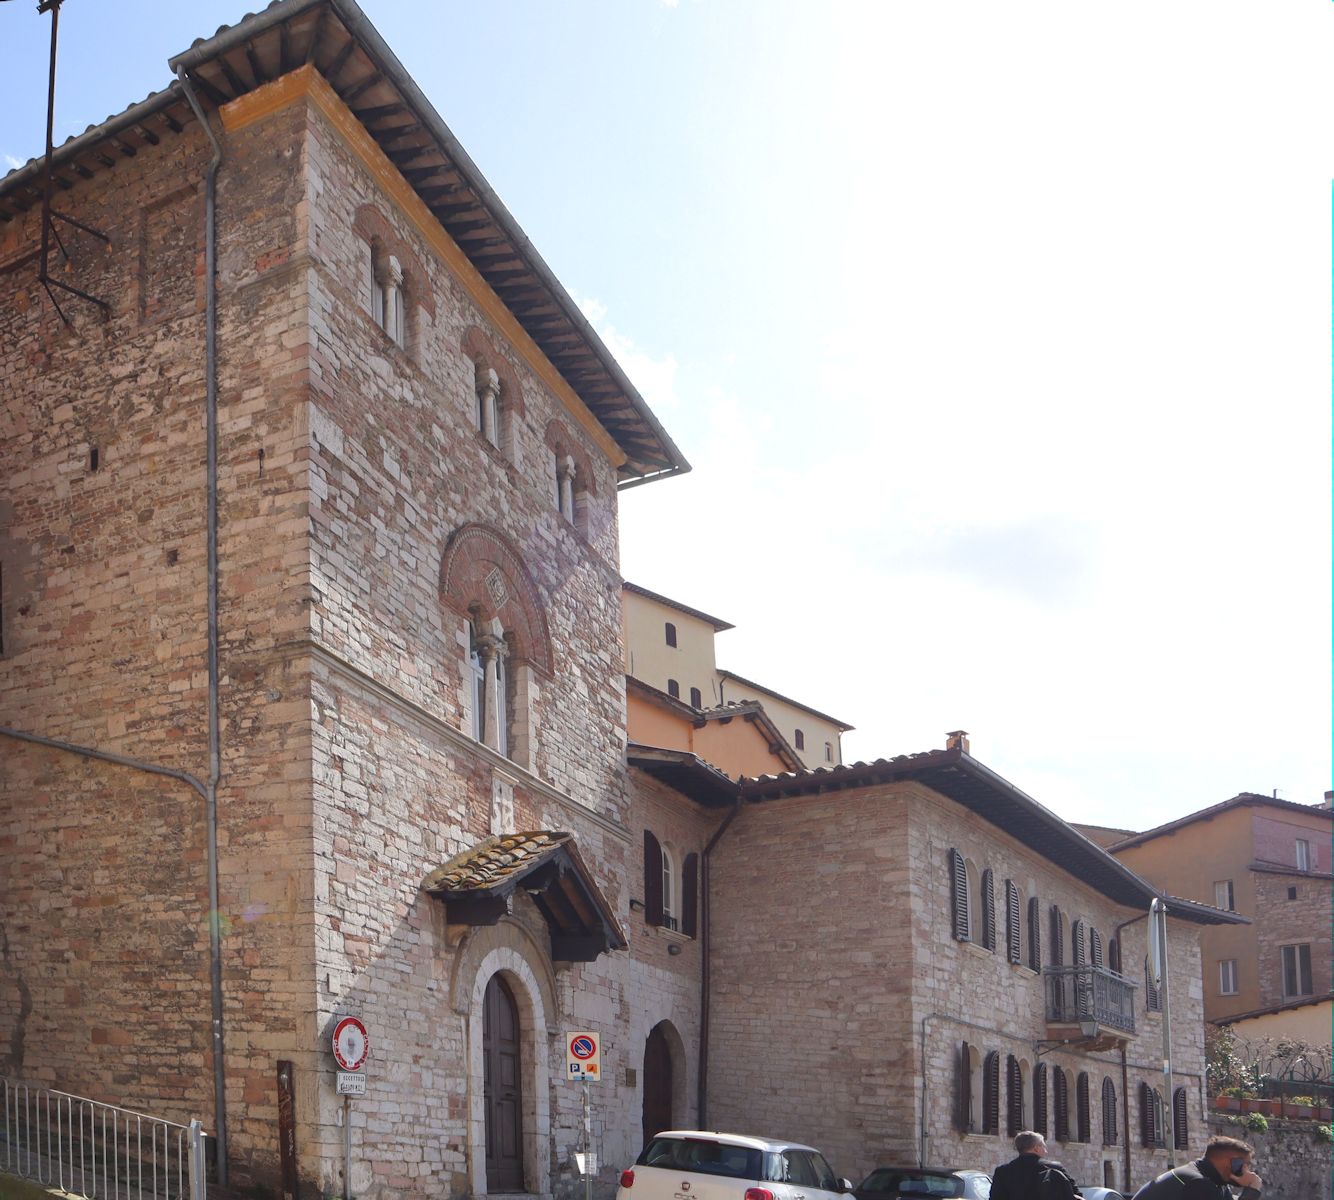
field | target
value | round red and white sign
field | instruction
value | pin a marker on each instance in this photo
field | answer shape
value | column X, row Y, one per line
column 351, row 1044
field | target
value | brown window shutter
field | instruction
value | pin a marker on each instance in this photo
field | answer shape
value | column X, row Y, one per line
column 1114, row 955
column 991, row 1093
column 1083, row 1116
column 690, row 895
column 1108, row 1112
column 1061, row 1086
column 1040, row 1099
column 1012, row 941
column 1180, row 1125
column 988, row 909
column 1095, row 947
column 1151, row 1000
column 959, row 896
column 1014, row 1096
column 1079, row 944
column 1146, row 1114
column 1057, row 938
column 1034, row 934
column 652, row 879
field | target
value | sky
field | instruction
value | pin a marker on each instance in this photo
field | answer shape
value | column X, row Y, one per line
column 997, row 334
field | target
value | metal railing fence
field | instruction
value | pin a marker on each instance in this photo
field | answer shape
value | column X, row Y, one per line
column 95, row 1150
column 1075, row 994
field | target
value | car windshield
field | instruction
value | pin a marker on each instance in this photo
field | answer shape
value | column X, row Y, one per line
column 894, row 1182
column 703, row 1157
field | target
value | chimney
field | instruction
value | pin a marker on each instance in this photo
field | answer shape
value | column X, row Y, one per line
column 957, row 740
column 1329, row 799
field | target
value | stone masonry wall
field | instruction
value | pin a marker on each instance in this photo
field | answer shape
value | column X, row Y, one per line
column 849, row 968
column 105, row 910
column 964, row 992
column 1291, row 1157
column 1305, row 919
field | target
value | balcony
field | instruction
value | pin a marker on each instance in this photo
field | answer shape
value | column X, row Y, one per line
column 1092, row 1006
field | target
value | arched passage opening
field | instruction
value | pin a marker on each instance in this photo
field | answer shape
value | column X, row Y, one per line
column 664, row 1078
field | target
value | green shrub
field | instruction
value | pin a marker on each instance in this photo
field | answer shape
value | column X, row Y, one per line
column 1257, row 1123
column 1309, row 1101
column 1237, row 1093
column 1325, row 1133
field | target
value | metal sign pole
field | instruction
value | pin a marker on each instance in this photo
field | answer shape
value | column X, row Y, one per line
column 588, row 1145
column 1169, row 1108
column 347, row 1148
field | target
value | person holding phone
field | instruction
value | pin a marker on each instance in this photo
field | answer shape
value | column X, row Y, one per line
column 1227, row 1163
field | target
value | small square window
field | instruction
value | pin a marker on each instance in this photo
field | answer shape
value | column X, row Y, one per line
column 1224, row 897
column 1292, row 893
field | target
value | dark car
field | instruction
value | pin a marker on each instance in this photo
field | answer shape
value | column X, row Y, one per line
column 886, row 1182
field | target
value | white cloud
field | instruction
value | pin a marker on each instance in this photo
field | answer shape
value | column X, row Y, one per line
column 653, row 376
column 11, row 162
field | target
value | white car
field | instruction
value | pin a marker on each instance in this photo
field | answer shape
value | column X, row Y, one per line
column 691, row 1164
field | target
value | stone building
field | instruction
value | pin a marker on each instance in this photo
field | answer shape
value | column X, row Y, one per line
column 357, row 745
column 1268, row 859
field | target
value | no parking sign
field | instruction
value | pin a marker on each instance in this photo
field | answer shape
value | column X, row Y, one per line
column 583, row 1056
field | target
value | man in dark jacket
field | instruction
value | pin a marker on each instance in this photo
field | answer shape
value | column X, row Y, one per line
column 1226, row 1163
column 1031, row 1175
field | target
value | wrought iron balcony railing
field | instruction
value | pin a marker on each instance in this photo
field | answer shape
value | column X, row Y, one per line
column 1078, row 995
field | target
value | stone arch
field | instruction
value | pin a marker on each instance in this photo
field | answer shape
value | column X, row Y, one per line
column 681, row 1106
column 478, row 346
column 372, row 225
column 482, row 574
column 560, row 442
column 536, row 1013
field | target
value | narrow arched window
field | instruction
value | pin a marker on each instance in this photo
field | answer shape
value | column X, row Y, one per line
column 991, row 1093
column 1180, row 1122
column 1083, row 1115
column 696, row 698
column 670, row 631
column 1095, row 948
column 799, row 740
column 1034, row 934
column 1109, row 1129
column 1061, row 1088
column 674, row 689
column 1014, row 1096
column 1040, row 1099
column 1013, row 933
column 477, row 672
column 670, row 913
column 988, row 909
column 959, row 896
column 829, row 751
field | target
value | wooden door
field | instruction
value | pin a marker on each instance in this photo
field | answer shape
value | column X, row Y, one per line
column 504, row 1100
column 657, row 1084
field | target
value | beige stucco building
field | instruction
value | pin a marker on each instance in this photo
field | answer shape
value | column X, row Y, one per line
column 1267, row 859
column 670, row 647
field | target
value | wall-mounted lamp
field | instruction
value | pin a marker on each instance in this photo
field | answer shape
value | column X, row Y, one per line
column 636, row 906
column 673, row 948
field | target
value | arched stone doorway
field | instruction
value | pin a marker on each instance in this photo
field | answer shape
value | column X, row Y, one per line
column 659, row 1086
column 502, row 1059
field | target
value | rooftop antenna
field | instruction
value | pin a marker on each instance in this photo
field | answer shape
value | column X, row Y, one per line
column 49, row 214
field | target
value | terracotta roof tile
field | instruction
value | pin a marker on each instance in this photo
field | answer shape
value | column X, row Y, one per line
column 494, row 860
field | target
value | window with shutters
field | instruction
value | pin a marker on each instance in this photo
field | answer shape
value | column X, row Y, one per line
column 799, row 740
column 991, row 1093
column 1061, row 1097
column 988, row 909
column 1079, row 943
column 959, row 896
column 1014, row 1096
column 1083, row 1115
column 967, row 1088
column 1013, row 930
column 1225, row 895
column 1109, row 1129
column 1152, row 1000
column 1095, row 948
column 671, row 889
column 1114, row 955
column 1180, row 1122
column 1056, row 937
column 669, row 633
column 1034, row 934
column 1152, row 1132
column 1040, row 1099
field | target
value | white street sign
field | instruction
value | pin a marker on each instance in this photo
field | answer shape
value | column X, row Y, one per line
column 583, row 1056
column 351, row 1083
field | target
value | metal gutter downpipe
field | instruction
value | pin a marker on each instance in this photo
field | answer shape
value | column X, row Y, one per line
column 702, row 1091
column 214, row 759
